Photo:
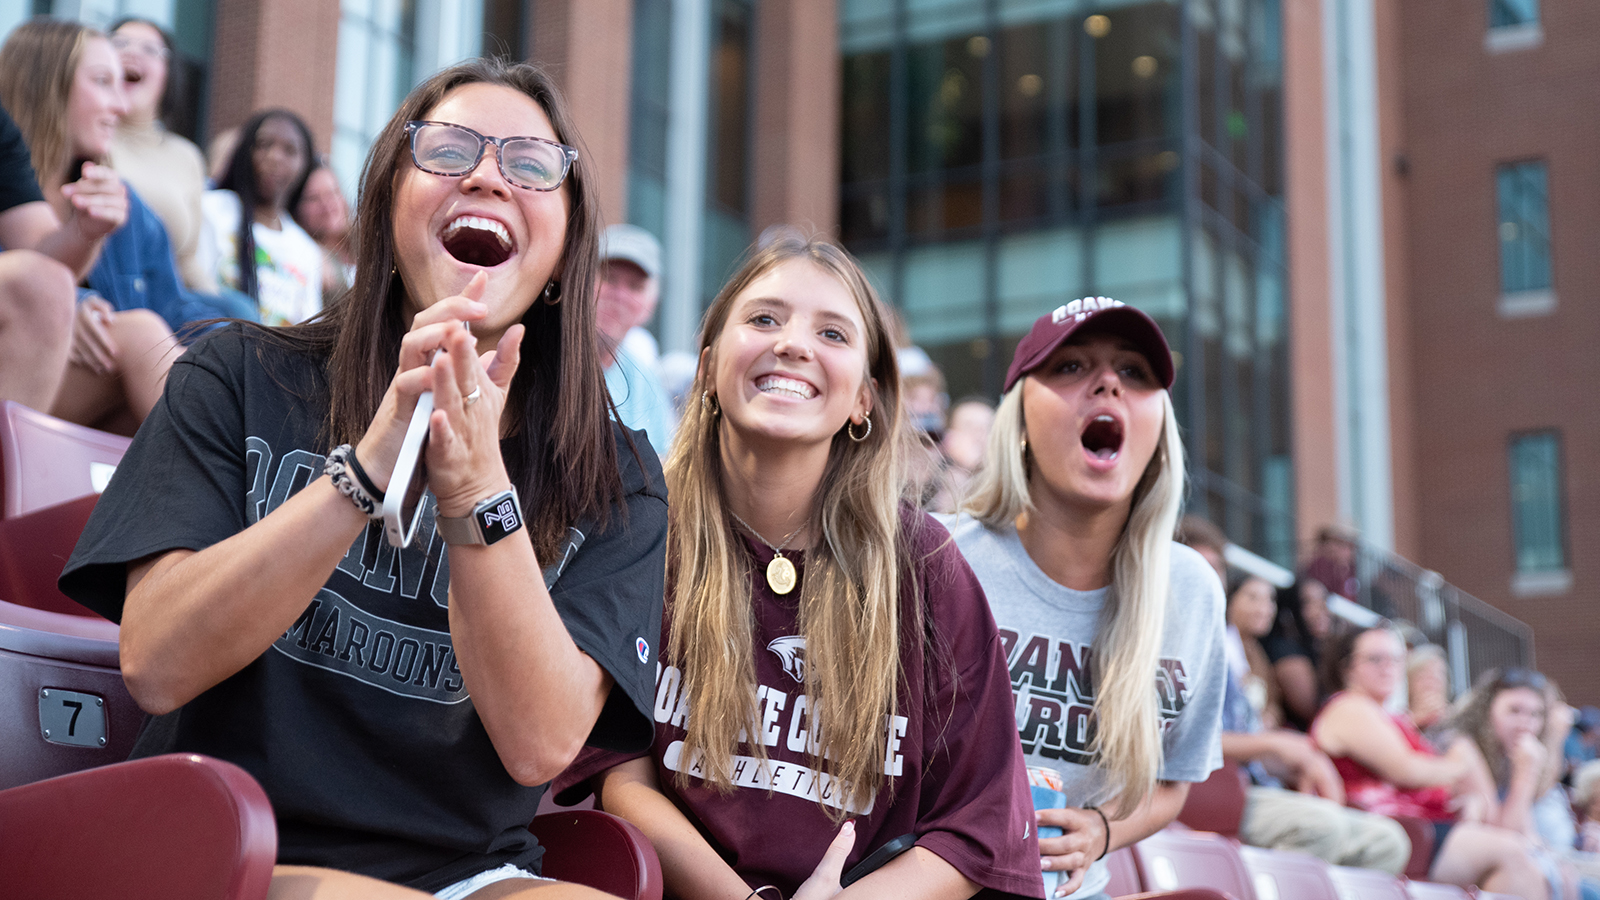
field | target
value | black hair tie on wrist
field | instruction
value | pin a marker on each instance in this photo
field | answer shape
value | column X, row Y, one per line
column 362, row 476
column 1107, row 823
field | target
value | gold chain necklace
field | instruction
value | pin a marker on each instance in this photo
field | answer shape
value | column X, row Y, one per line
column 781, row 576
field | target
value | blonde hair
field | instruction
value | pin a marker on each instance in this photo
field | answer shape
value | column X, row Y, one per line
column 37, row 65
column 1127, row 732
column 849, row 606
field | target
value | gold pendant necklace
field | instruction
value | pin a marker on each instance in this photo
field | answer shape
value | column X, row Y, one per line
column 781, row 576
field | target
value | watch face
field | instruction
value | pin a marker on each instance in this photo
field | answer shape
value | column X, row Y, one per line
column 499, row 517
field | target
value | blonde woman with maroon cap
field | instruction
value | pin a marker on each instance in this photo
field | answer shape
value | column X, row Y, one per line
column 1113, row 633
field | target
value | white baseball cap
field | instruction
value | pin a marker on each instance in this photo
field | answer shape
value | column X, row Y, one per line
column 632, row 244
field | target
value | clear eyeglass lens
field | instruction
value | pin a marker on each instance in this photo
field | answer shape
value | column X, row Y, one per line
column 454, row 151
column 532, row 163
column 447, row 149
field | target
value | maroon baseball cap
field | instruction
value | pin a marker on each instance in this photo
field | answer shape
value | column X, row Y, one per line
column 1052, row 329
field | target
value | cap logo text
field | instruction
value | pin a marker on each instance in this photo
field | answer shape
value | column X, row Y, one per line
column 1081, row 309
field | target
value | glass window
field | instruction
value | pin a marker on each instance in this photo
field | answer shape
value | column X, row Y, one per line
column 647, row 122
column 1524, row 227
column 1513, row 12
column 1536, row 518
column 727, row 226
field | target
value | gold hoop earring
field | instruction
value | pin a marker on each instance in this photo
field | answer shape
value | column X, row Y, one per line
column 708, row 404
column 850, row 429
column 552, row 292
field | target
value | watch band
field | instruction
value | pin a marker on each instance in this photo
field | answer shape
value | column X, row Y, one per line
column 493, row 518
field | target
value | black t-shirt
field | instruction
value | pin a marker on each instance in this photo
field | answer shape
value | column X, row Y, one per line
column 356, row 720
column 18, row 185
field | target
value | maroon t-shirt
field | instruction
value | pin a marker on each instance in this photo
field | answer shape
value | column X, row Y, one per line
column 959, row 783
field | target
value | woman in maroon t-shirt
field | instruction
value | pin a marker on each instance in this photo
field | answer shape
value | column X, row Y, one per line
column 832, row 678
column 1388, row 767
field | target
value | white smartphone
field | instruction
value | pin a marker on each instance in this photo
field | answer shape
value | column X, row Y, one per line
column 402, row 503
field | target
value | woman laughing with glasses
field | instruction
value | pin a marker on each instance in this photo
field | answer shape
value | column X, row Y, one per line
column 403, row 708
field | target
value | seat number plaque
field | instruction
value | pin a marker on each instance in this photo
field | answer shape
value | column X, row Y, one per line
column 72, row 717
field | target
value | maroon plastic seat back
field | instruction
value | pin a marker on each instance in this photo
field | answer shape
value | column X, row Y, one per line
column 1169, row 860
column 45, row 461
column 34, row 548
column 1422, row 836
column 63, row 704
column 1429, row 890
column 1124, row 873
column 1216, row 804
column 179, row 827
column 601, row 851
column 1368, row 884
column 1282, row 875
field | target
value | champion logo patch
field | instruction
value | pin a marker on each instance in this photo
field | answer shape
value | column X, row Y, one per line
column 643, row 648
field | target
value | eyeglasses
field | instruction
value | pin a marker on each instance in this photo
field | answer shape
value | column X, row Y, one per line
column 536, row 164
column 1381, row 659
column 143, row 48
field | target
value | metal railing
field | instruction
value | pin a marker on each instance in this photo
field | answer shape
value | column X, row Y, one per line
column 1475, row 635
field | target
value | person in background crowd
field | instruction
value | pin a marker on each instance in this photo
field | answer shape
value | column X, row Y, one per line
column 1295, row 801
column 1388, row 767
column 1200, row 535
column 1428, row 687
column 1252, row 608
column 1583, row 744
column 324, row 214
column 1334, row 562
column 1070, row 534
column 41, row 259
column 630, row 286
column 1517, row 720
column 1295, row 644
column 396, row 774
column 805, row 595
column 219, row 152
column 256, row 247
column 165, row 168
column 963, row 449
column 1586, row 800
column 64, row 84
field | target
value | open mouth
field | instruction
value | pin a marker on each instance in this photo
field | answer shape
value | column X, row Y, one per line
column 1102, row 437
column 477, row 241
column 780, row 386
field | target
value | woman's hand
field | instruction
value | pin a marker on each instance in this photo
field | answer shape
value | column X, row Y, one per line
column 1083, row 837
column 429, row 332
column 464, row 463
column 93, row 347
column 99, row 202
column 1527, row 756
column 824, row 880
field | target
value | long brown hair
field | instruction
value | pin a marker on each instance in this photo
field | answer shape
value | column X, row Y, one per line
column 850, row 601
column 559, row 449
column 1475, row 721
column 37, row 65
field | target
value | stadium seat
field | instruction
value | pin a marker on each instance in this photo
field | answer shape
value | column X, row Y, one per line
column 599, row 850
column 63, row 704
column 1366, row 884
column 1169, row 860
column 178, row 827
column 34, row 548
column 45, row 461
column 1429, row 890
column 1285, row 875
column 1421, row 833
column 1491, row 895
column 1216, row 804
column 1124, row 873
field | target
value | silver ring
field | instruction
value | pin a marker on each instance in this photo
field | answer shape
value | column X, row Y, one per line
column 472, row 398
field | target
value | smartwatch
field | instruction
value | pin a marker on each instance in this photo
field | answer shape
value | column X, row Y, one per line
column 493, row 518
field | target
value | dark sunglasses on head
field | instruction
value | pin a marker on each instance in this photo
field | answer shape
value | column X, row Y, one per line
column 443, row 148
column 1519, row 677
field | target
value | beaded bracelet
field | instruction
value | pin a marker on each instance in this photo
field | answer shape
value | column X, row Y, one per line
column 337, row 468
column 1107, row 823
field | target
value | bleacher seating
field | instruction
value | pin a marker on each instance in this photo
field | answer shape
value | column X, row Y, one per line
column 1171, row 860
column 179, row 827
column 1366, row 884
column 1428, row 890
column 1280, row 875
column 599, row 850
column 1216, row 804
column 45, row 461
